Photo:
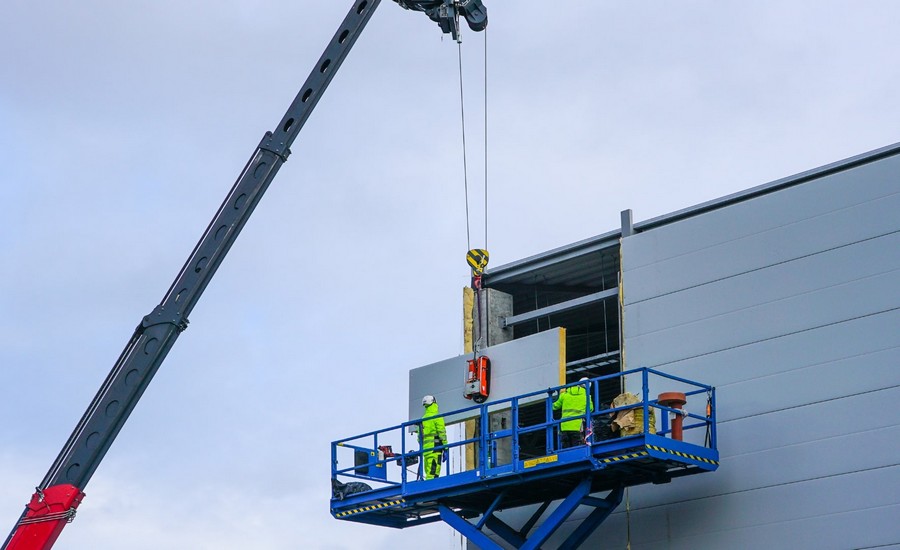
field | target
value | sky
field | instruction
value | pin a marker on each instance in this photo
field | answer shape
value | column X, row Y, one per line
column 124, row 124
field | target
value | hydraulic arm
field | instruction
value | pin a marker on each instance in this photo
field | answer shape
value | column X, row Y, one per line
column 62, row 489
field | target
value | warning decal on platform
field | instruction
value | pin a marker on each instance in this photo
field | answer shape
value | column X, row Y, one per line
column 543, row 460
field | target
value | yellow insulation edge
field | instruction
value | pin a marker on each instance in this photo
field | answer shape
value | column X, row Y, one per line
column 562, row 356
column 468, row 319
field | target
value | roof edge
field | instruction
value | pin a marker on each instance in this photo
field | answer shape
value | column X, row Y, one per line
column 771, row 187
column 605, row 240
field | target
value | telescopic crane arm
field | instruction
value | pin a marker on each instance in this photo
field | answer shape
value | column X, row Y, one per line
column 55, row 500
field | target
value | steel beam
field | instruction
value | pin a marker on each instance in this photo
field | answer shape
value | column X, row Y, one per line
column 593, row 360
column 561, row 307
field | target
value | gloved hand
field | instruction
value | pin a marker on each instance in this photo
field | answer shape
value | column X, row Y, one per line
column 554, row 394
column 445, row 456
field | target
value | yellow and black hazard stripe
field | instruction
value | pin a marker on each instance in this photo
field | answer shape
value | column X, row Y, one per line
column 370, row 508
column 683, row 455
column 620, row 458
column 477, row 258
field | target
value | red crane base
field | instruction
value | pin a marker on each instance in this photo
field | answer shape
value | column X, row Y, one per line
column 45, row 516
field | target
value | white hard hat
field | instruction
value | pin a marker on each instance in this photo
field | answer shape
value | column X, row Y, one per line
column 427, row 400
column 584, row 379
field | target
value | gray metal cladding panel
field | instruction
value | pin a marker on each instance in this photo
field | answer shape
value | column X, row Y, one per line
column 796, row 385
column 796, row 425
column 520, row 366
column 819, row 383
column 744, row 519
column 834, row 513
column 756, row 234
column 758, row 250
column 833, row 342
column 872, row 528
column 787, row 206
column 867, row 449
column 784, row 206
column 788, row 303
column 858, row 529
column 796, row 314
column 747, row 446
column 855, row 263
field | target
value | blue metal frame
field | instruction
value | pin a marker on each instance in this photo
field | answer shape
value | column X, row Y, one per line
column 406, row 500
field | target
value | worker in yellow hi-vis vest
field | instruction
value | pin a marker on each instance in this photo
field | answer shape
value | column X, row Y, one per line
column 574, row 403
column 434, row 434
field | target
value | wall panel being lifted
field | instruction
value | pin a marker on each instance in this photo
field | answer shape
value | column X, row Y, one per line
column 519, row 366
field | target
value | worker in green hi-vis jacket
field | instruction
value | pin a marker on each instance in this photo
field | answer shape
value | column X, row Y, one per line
column 574, row 403
column 434, row 434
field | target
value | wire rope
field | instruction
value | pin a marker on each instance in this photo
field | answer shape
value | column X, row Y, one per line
column 462, row 111
column 485, row 139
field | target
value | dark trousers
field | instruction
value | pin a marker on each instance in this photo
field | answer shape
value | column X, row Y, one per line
column 571, row 439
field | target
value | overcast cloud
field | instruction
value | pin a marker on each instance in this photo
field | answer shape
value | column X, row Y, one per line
column 124, row 123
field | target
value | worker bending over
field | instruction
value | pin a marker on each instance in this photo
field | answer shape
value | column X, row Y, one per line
column 434, row 434
column 574, row 403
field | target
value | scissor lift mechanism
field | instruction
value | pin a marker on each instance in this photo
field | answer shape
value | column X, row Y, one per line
column 468, row 500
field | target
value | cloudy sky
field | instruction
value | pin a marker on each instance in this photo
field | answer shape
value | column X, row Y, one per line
column 124, row 123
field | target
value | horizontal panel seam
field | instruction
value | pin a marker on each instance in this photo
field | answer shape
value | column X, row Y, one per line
column 776, row 228
column 810, row 366
column 801, row 405
column 776, row 337
column 754, row 270
column 723, row 457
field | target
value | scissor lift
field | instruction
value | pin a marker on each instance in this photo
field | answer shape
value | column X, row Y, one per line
column 468, row 496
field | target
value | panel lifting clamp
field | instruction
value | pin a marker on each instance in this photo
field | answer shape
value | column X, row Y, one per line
column 477, row 385
column 477, row 258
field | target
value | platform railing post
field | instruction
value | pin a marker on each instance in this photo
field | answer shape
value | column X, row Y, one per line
column 645, row 378
column 515, row 434
column 402, row 459
column 482, row 437
column 420, row 470
column 333, row 461
column 663, row 423
column 548, row 420
column 588, row 412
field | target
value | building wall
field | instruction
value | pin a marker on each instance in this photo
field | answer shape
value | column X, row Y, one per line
column 787, row 299
column 788, row 303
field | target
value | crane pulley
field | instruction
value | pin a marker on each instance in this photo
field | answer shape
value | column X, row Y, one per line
column 446, row 13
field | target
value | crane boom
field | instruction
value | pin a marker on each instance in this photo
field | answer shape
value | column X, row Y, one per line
column 62, row 489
